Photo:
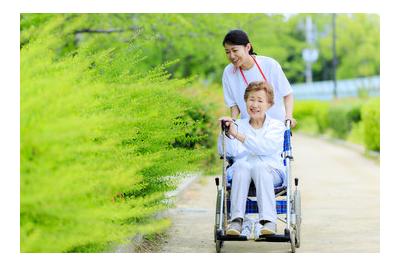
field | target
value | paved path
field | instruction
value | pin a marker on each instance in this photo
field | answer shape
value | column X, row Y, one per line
column 340, row 205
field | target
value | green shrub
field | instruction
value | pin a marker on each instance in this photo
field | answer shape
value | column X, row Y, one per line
column 303, row 111
column 321, row 117
column 314, row 112
column 356, row 134
column 97, row 144
column 338, row 121
column 354, row 112
column 305, row 108
column 309, row 125
column 341, row 116
column 351, row 119
column 194, row 127
column 371, row 120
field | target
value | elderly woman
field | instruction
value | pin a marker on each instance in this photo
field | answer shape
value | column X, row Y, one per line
column 256, row 145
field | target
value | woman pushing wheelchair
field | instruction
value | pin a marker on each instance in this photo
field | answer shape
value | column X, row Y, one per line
column 256, row 144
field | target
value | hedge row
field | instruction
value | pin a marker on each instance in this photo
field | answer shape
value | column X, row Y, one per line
column 354, row 119
column 370, row 113
column 98, row 139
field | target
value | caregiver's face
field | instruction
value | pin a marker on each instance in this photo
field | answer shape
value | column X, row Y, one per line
column 257, row 104
column 237, row 54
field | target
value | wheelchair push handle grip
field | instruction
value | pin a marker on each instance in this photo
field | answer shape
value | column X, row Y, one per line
column 288, row 123
column 217, row 181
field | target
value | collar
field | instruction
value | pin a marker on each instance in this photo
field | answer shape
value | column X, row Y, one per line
column 266, row 121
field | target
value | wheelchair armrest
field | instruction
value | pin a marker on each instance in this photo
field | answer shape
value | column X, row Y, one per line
column 280, row 190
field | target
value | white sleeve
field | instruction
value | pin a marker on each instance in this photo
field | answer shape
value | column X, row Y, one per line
column 281, row 84
column 230, row 146
column 270, row 143
column 228, row 95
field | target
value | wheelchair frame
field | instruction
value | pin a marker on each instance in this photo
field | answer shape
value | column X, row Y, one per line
column 293, row 202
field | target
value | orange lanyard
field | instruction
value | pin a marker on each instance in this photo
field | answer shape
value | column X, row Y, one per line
column 259, row 68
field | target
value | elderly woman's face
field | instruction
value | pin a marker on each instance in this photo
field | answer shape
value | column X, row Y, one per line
column 257, row 104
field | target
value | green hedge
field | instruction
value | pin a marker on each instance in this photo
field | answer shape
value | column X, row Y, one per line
column 98, row 138
column 345, row 119
column 341, row 116
column 371, row 118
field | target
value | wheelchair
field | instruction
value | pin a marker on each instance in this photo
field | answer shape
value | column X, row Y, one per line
column 288, row 201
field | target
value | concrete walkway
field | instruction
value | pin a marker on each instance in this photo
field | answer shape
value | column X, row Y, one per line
column 340, row 205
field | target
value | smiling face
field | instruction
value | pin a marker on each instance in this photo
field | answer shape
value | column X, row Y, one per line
column 237, row 54
column 257, row 104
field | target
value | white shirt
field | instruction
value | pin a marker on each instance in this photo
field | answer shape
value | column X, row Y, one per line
column 264, row 144
column 234, row 86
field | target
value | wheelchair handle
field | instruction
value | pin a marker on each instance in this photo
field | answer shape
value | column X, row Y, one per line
column 288, row 123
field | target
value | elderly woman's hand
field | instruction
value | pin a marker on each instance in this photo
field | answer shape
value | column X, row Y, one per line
column 229, row 123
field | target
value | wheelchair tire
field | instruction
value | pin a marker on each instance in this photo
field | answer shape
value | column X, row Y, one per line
column 218, row 245
column 297, row 237
column 217, row 214
column 297, row 210
column 293, row 241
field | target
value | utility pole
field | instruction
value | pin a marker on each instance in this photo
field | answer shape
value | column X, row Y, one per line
column 334, row 59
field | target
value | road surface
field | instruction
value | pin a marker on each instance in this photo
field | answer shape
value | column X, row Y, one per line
column 340, row 205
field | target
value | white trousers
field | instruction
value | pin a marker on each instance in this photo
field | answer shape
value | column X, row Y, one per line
column 265, row 178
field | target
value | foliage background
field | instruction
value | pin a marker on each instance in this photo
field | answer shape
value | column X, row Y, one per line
column 115, row 106
column 195, row 40
column 99, row 137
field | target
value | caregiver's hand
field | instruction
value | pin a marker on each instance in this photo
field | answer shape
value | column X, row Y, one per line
column 293, row 121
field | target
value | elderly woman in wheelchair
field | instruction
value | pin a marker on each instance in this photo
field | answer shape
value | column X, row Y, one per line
column 255, row 143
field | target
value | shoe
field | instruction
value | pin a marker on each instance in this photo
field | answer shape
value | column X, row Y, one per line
column 234, row 228
column 257, row 229
column 247, row 228
column 269, row 228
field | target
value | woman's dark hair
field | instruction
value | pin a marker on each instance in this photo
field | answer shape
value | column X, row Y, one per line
column 238, row 37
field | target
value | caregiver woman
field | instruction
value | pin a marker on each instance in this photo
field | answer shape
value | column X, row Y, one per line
column 246, row 67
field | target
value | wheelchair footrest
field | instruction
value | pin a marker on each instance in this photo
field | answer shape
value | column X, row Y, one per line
column 232, row 238
column 274, row 238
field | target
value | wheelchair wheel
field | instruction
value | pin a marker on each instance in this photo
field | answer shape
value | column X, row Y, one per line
column 297, row 210
column 218, row 245
column 217, row 214
column 297, row 237
column 292, row 241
